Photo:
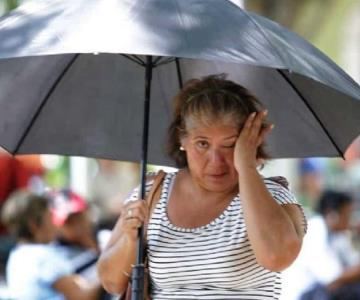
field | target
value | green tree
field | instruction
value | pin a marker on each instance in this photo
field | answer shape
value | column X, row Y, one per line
column 11, row 4
column 319, row 21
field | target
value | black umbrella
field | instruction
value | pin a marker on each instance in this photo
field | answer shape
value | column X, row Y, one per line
column 73, row 75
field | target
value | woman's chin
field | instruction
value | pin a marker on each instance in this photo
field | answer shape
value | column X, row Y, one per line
column 219, row 183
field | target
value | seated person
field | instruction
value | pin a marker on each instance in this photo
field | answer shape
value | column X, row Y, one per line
column 76, row 233
column 328, row 266
column 77, row 238
column 35, row 269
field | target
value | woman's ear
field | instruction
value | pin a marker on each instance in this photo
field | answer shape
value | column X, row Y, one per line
column 260, row 162
column 183, row 143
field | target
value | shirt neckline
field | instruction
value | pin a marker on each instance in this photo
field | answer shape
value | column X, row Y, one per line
column 165, row 194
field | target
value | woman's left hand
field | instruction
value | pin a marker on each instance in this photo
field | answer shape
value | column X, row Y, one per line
column 250, row 138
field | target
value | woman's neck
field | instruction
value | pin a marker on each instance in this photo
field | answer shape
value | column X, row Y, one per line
column 196, row 191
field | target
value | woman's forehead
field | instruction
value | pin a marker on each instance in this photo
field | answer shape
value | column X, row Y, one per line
column 207, row 120
column 217, row 129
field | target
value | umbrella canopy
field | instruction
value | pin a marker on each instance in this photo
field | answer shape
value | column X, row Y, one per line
column 72, row 76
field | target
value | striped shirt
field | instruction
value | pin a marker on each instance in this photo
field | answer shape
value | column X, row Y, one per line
column 214, row 261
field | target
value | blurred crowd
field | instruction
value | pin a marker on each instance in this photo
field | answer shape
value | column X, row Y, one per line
column 328, row 266
column 51, row 236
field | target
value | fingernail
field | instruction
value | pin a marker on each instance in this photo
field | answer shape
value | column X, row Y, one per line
column 252, row 115
column 272, row 126
column 265, row 112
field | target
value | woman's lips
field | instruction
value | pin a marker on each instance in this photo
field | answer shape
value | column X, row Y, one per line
column 217, row 176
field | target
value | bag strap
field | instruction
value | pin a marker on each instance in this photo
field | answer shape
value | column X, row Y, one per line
column 153, row 197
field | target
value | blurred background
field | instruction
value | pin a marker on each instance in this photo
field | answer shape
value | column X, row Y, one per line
column 331, row 25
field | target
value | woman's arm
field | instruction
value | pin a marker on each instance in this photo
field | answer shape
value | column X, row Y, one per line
column 115, row 262
column 275, row 231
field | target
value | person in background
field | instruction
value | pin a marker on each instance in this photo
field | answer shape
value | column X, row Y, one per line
column 77, row 240
column 328, row 266
column 16, row 172
column 219, row 230
column 310, row 183
column 72, row 216
column 35, row 270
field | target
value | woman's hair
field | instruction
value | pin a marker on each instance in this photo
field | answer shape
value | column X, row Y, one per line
column 206, row 100
column 332, row 201
column 21, row 209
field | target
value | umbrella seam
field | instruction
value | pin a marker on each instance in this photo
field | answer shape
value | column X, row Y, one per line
column 44, row 101
column 264, row 35
column 295, row 89
column 176, row 3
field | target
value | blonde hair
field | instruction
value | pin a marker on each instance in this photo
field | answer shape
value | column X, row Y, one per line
column 208, row 100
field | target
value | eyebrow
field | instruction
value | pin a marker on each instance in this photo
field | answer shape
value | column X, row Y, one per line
column 227, row 138
column 231, row 137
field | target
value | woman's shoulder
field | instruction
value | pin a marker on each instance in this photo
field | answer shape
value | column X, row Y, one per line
column 150, row 179
column 277, row 181
column 279, row 188
column 151, row 176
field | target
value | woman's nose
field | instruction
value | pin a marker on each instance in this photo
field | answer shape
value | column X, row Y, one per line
column 216, row 157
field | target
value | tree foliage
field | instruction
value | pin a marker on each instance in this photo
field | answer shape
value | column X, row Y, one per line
column 306, row 17
column 321, row 22
column 11, row 4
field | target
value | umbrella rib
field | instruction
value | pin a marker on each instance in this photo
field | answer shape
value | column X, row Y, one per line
column 264, row 34
column 140, row 60
column 157, row 60
column 283, row 75
column 178, row 70
column 38, row 111
column 166, row 61
column 134, row 59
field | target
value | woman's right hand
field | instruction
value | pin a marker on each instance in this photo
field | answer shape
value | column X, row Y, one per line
column 115, row 262
column 133, row 215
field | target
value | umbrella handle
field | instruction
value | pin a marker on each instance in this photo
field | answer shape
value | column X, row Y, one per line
column 138, row 282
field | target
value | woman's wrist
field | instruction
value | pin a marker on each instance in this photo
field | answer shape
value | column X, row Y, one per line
column 246, row 167
column 130, row 237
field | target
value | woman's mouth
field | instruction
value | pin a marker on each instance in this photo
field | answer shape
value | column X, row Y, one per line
column 217, row 175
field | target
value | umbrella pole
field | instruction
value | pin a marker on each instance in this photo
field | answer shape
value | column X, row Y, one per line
column 138, row 271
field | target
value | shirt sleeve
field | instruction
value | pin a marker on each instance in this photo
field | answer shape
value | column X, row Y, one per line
column 278, row 188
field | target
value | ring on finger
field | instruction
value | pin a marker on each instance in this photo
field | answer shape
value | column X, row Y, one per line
column 130, row 213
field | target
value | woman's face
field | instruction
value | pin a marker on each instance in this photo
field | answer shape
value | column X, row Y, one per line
column 209, row 152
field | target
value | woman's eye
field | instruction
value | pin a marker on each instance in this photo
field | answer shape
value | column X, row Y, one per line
column 229, row 146
column 202, row 144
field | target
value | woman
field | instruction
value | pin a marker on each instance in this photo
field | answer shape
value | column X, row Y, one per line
column 35, row 269
column 219, row 230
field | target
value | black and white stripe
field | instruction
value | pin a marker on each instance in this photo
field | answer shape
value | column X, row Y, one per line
column 214, row 261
